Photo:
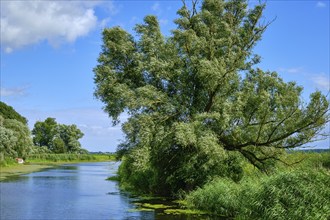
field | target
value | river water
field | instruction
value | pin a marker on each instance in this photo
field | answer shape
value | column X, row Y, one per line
column 73, row 192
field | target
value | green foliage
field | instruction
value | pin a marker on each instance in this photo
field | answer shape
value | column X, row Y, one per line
column 7, row 141
column 15, row 140
column 22, row 133
column 113, row 178
column 44, row 132
column 61, row 157
column 58, row 138
column 135, row 173
column 69, row 134
column 68, row 157
column 8, row 112
column 138, row 173
column 40, row 150
column 196, row 104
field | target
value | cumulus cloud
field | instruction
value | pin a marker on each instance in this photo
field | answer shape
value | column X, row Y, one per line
column 29, row 22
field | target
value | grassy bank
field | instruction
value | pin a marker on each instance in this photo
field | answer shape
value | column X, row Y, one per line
column 19, row 169
column 42, row 161
column 297, row 190
column 49, row 158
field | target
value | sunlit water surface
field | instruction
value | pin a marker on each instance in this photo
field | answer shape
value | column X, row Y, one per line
column 73, row 191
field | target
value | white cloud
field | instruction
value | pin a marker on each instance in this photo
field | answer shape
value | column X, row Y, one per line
column 292, row 70
column 133, row 20
column 163, row 21
column 110, row 7
column 322, row 82
column 320, row 4
column 10, row 92
column 156, row 7
column 29, row 22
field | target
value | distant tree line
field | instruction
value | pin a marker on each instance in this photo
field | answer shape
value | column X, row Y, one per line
column 16, row 140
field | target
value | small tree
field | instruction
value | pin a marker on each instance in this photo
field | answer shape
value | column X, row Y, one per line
column 44, row 132
column 195, row 100
column 58, row 138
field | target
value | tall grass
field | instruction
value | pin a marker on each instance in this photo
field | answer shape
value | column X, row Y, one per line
column 6, row 162
column 288, row 195
column 59, row 157
column 219, row 197
column 68, row 157
column 297, row 191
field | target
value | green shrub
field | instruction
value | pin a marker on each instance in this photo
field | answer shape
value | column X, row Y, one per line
column 144, row 171
column 135, row 173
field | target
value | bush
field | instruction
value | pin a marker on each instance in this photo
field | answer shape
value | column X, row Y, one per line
column 135, row 173
column 143, row 172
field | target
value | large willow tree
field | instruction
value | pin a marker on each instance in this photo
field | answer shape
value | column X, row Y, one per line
column 195, row 100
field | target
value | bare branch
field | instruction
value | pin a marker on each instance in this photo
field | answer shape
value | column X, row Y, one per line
column 194, row 9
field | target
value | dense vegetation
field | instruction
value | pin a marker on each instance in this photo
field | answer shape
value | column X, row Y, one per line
column 51, row 157
column 49, row 139
column 57, row 138
column 198, row 108
column 9, row 112
column 15, row 136
column 299, row 191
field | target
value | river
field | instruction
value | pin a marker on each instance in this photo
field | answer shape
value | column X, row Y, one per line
column 72, row 191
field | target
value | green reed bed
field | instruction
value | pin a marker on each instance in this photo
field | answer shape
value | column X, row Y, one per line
column 297, row 191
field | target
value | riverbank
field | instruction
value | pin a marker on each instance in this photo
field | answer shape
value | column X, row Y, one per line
column 39, row 162
column 75, row 191
column 19, row 169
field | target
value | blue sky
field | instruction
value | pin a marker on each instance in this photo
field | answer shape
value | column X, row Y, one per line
column 49, row 50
